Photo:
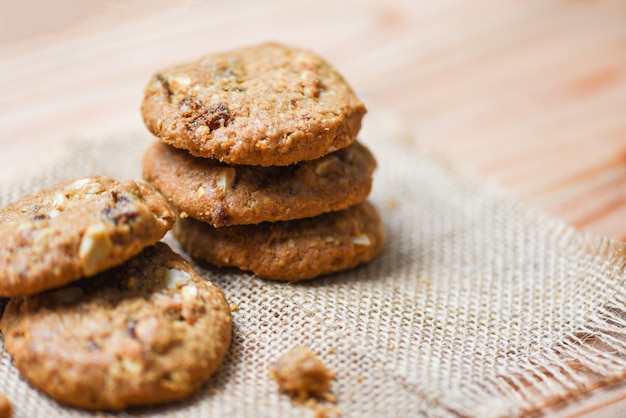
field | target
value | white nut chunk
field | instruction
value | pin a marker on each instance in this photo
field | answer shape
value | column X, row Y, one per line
column 202, row 130
column 95, row 247
column 361, row 239
column 60, row 202
column 189, row 294
column 175, row 278
column 179, row 82
column 324, row 166
column 88, row 185
column 132, row 366
column 200, row 191
column 226, row 179
column 79, row 184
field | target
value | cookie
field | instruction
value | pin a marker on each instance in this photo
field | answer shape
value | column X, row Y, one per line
column 77, row 229
column 268, row 105
column 146, row 332
column 289, row 250
column 222, row 194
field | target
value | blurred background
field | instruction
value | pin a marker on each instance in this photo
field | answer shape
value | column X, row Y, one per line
column 528, row 93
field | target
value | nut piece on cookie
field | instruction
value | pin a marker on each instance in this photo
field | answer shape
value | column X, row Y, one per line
column 268, row 105
column 149, row 331
column 77, row 229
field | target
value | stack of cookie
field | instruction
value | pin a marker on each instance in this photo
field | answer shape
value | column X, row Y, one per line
column 102, row 315
column 258, row 154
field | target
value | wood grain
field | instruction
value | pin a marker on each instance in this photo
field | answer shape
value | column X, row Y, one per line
column 530, row 93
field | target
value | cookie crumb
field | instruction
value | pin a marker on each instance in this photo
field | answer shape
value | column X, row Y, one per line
column 301, row 374
column 6, row 409
column 307, row 380
column 359, row 378
column 234, row 307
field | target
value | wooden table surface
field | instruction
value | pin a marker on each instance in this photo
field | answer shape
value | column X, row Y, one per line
column 529, row 93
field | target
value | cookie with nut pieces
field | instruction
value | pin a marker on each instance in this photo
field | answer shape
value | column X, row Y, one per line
column 289, row 250
column 223, row 194
column 77, row 229
column 146, row 332
column 268, row 105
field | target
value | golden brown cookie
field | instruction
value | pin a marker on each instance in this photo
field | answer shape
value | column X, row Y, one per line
column 289, row 250
column 222, row 194
column 77, row 229
column 266, row 105
column 149, row 331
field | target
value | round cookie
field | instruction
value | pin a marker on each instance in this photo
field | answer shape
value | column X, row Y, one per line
column 268, row 105
column 146, row 332
column 222, row 194
column 289, row 250
column 77, row 229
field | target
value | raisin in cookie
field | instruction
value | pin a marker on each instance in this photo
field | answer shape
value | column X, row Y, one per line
column 263, row 105
column 289, row 250
column 146, row 332
column 77, row 229
column 222, row 194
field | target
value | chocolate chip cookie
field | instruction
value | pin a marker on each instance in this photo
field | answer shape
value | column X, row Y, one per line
column 222, row 194
column 289, row 250
column 268, row 105
column 77, row 229
column 148, row 331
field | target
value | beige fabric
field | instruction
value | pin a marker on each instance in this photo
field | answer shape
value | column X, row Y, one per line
column 479, row 306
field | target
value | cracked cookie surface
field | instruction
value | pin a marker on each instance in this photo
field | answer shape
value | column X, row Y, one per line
column 76, row 229
column 222, row 194
column 289, row 250
column 146, row 332
column 268, row 105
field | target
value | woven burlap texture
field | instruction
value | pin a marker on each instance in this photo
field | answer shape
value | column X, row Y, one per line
column 479, row 306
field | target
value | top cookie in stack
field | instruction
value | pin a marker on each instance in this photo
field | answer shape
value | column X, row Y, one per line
column 267, row 105
column 258, row 154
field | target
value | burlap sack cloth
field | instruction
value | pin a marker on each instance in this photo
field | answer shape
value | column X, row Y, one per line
column 479, row 306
